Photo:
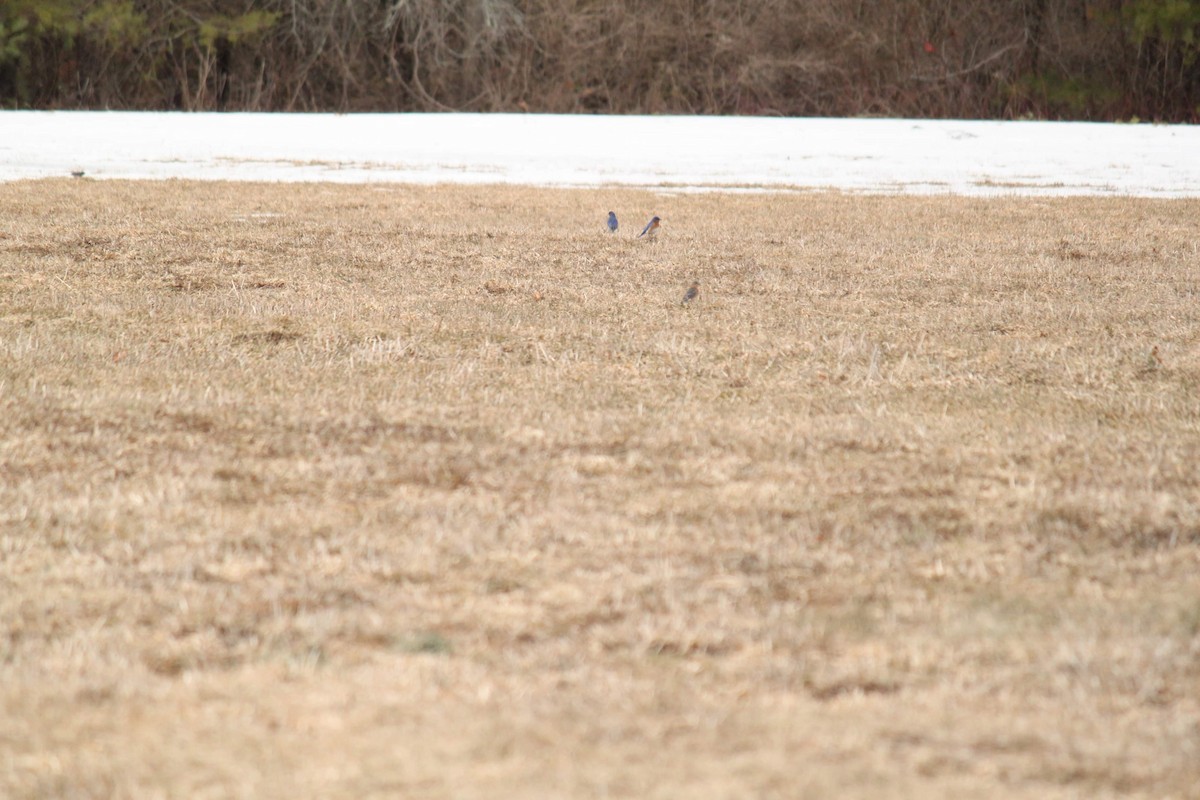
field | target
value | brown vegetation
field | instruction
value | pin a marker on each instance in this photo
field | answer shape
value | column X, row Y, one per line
column 328, row 491
column 1066, row 59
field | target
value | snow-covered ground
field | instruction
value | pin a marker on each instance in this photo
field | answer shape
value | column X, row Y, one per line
column 753, row 153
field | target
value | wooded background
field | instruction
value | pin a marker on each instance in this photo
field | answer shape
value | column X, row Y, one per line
column 1051, row 59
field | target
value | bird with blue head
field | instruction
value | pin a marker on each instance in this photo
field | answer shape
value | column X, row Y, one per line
column 651, row 227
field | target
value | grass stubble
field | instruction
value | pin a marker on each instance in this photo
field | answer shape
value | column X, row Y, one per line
column 373, row 491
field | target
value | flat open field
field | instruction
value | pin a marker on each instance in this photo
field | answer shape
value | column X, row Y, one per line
column 378, row 491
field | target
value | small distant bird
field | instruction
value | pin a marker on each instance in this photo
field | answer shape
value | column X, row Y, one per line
column 612, row 222
column 651, row 227
column 77, row 173
column 692, row 293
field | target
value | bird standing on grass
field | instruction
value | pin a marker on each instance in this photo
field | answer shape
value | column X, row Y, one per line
column 612, row 222
column 651, row 228
column 692, row 293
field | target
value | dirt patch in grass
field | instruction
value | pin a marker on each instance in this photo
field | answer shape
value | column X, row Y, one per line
column 387, row 491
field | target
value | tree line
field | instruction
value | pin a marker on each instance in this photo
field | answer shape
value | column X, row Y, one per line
column 1007, row 59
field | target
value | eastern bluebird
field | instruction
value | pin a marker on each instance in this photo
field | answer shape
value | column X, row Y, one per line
column 651, row 227
column 612, row 222
column 692, row 292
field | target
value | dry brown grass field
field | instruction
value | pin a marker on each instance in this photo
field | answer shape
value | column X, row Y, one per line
column 380, row 491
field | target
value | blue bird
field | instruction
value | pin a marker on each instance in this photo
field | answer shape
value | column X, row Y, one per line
column 691, row 293
column 612, row 222
column 651, row 227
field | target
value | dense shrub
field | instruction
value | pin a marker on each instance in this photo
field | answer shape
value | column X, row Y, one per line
column 1073, row 59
